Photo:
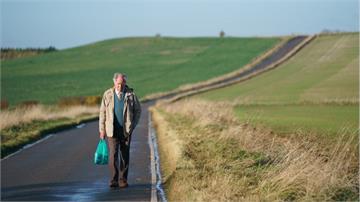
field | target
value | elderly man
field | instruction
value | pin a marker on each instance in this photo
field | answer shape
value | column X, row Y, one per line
column 119, row 113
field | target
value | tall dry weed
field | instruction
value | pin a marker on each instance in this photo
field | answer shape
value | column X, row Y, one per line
column 306, row 171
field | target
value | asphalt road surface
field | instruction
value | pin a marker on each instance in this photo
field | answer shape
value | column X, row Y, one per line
column 61, row 167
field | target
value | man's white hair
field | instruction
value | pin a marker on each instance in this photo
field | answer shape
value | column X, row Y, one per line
column 116, row 75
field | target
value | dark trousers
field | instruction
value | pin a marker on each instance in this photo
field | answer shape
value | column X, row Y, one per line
column 116, row 143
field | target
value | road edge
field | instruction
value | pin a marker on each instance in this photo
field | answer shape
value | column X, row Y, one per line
column 152, row 160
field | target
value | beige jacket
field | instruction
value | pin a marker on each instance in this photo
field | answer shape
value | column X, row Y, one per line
column 132, row 111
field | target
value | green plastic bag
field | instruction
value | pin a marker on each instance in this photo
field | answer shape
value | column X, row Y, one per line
column 101, row 156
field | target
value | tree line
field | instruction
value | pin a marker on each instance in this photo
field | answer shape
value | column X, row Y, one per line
column 10, row 53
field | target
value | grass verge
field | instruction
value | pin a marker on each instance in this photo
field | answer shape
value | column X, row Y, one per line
column 26, row 125
column 207, row 154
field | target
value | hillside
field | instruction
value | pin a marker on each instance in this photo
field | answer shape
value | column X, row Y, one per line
column 152, row 65
column 318, row 89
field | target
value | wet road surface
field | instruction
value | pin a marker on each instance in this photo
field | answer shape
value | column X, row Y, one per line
column 62, row 168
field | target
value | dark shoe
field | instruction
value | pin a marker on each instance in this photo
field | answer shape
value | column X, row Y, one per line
column 114, row 185
column 123, row 184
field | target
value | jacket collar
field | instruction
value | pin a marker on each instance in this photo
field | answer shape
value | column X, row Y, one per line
column 127, row 90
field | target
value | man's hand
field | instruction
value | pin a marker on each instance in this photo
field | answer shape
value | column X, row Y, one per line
column 102, row 135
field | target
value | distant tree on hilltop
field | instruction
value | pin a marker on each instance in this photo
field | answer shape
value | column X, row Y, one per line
column 222, row 34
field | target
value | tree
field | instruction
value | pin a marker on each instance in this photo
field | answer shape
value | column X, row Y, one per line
column 222, row 34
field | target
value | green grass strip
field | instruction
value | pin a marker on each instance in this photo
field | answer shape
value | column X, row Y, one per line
column 15, row 137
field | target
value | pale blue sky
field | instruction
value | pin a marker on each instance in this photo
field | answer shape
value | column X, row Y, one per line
column 70, row 23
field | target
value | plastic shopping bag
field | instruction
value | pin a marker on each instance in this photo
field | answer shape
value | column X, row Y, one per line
column 101, row 156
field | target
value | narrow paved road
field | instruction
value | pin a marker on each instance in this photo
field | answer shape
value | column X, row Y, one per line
column 272, row 58
column 61, row 167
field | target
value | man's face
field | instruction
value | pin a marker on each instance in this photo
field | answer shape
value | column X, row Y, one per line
column 119, row 83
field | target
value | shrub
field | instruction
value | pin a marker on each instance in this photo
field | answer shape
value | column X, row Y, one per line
column 92, row 100
column 222, row 34
column 4, row 104
column 81, row 100
column 71, row 101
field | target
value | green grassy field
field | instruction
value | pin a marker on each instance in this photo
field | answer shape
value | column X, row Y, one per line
column 317, row 90
column 152, row 65
column 322, row 119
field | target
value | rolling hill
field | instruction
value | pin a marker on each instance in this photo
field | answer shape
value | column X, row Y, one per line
column 315, row 91
column 152, row 65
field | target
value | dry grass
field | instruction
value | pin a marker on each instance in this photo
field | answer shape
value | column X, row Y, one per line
column 39, row 112
column 223, row 159
column 307, row 172
column 171, row 145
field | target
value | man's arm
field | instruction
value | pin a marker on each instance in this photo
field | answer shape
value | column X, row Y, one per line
column 102, row 118
column 137, row 112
